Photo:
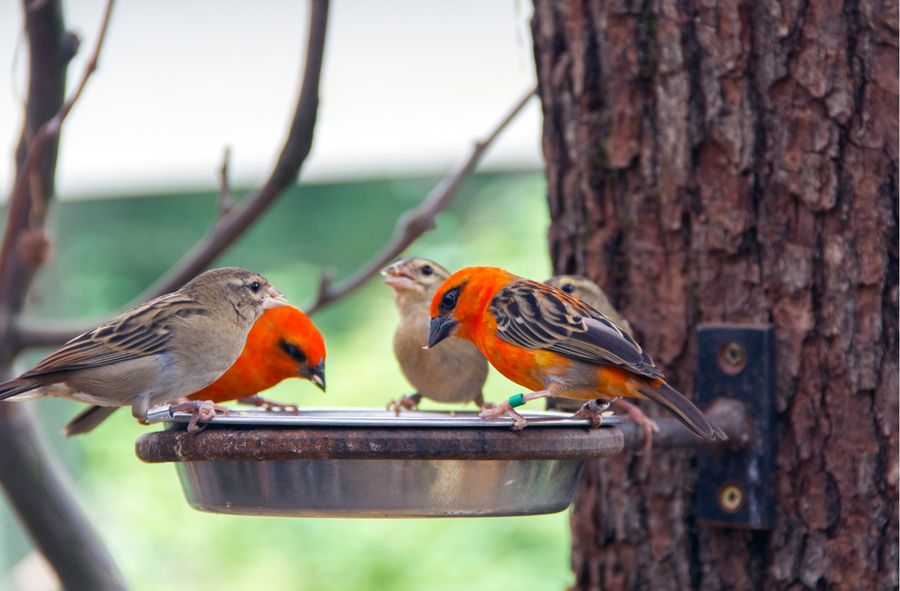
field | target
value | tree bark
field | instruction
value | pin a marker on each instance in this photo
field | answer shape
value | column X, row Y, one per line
column 737, row 162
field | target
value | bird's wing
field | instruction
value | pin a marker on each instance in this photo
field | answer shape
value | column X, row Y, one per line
column 139, row 332
column 537, row 316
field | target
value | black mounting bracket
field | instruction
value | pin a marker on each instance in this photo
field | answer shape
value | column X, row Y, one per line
column 736, row 366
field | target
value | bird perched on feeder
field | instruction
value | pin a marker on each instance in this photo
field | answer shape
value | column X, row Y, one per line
column 590, row 293
column 283, row 343
column 455, row 372
column 159, row 351
column 542, row 338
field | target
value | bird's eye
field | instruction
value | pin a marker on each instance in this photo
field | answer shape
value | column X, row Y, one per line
column 427, row 270
column 255, row 287
column 292, row 350
column 448, row 302
column 568, row 288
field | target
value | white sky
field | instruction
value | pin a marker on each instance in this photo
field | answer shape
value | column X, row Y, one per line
column 407, row 86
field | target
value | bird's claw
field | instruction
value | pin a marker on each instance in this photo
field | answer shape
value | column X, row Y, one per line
column 504, row 409
column 408, row 402
column 648, row 426
column 591, row 411
column 269, row 405
column 202, row 411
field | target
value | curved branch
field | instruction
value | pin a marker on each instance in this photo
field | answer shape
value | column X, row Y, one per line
column 296, row 148
column 34, row 485
column 16, row 278
column 231, row 224
column 415, row 221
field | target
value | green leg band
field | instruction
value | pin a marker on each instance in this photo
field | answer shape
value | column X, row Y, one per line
column 516, row 400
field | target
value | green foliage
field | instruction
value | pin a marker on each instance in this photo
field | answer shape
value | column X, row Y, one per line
column 109, row 250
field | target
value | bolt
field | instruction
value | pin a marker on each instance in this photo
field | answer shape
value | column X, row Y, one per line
column 732, row 358
column 731, row 498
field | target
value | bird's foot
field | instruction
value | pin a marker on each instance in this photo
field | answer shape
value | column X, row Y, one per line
column 269, row 405
column 408, row 402
column 647, row 425
column 201, row 411
column 504, row 409
column 591, row 411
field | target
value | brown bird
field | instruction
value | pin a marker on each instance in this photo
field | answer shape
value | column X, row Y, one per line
column 159, row 351
column 454, row 373
column 283, row 344
column 590, row 293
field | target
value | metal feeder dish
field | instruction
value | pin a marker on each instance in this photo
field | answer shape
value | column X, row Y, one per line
column 370, row 463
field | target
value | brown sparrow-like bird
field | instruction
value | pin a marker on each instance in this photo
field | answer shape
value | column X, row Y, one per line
column 590, row 293
column 454, row 373
column 158, row 352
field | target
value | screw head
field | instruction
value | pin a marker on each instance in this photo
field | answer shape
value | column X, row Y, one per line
column 731, row 498
column 732, row 358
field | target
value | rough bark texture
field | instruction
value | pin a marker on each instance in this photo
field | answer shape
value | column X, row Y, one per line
column 737, row 161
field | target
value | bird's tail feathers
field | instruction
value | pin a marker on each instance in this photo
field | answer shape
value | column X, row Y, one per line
column 683, row 410
column 17, row 386
column 88, row 419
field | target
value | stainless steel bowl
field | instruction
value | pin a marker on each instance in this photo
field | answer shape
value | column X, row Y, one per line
column 369, row 463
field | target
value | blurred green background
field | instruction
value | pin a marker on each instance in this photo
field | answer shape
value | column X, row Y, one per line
column 108, row 250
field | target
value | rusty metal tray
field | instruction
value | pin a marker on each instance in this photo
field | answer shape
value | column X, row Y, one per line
column 370, row 463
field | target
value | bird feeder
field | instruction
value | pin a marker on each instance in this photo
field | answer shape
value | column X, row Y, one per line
column 371, row 463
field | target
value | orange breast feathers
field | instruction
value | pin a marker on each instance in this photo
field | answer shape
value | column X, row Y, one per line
column 283, row 343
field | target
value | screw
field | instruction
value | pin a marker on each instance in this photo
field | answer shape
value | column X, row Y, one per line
column 732, row 358
column 731, row 498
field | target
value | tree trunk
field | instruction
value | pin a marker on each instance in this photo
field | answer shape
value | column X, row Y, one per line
column 737, row 162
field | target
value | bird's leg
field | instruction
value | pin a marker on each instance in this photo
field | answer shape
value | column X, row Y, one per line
column 507, row 407
column 201, row 410
column 270, row 405
column 647, row 425
column 408, row 402
column 139, row 409
column 591, row 410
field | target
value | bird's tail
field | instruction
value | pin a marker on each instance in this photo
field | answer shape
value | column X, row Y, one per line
column 16, row 386
column 88, row 419
column 684, row 410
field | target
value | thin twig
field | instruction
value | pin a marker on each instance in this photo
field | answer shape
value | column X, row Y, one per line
column 293, row 155
column 34, row 485
column 231, row 225
column 415, row 221
column 226, row 201
column 36, row 149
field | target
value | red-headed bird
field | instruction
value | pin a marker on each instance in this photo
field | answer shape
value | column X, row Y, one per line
column 543, row 339
column 282, row 344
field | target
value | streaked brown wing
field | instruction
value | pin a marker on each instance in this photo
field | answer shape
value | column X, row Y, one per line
column 145, row 330
column 538, row 316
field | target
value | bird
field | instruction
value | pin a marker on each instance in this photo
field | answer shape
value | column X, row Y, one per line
column 553, row 344
column 456, row 373
column 159, row 351
column 587, row 291
column 283, row 343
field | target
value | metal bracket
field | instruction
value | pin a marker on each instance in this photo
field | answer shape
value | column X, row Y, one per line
column 736, row 366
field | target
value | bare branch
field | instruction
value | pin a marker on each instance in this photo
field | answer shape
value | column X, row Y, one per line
column 416, row 221
column 226, row 200
column 293, row 154
column 232, row 224
column 17, row 219
column 33, row 483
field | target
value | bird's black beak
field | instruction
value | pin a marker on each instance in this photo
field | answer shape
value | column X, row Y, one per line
column 439, row 329
column 315, row 374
